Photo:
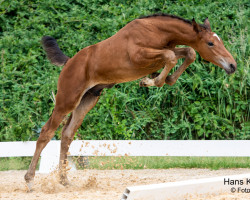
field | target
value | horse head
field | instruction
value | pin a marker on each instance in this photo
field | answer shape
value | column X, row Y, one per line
column 211, row 48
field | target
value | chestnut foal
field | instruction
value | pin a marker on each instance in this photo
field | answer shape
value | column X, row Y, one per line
column 142, row 47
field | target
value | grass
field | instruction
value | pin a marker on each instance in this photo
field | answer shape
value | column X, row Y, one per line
column 15, row 163
column 168, row 162
column 103, row 163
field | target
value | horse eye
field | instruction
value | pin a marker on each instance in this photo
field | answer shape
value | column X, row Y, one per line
column 210, row 44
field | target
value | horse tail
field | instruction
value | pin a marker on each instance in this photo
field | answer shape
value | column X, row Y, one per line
column 54, row 53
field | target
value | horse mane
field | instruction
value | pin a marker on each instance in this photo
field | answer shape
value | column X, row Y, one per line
column 170, row 16
column 165, row 15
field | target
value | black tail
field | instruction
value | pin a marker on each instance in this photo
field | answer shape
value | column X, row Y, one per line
column 54, row 53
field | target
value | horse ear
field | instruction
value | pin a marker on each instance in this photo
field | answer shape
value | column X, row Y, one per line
column 196, row 26
column 207, row 24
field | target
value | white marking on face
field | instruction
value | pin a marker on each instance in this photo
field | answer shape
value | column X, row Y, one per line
column 224, row 63
column 215, row 35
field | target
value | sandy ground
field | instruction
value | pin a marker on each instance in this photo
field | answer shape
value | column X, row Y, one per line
column 103, row 184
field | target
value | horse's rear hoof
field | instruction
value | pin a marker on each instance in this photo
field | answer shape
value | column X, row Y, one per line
column 29, row 186
column 65, row 182
column 29, row 182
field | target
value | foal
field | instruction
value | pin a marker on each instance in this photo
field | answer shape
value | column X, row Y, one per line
column 142, row 47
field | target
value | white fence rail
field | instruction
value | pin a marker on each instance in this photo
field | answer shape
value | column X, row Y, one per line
column 194, row 189
column 50, row 155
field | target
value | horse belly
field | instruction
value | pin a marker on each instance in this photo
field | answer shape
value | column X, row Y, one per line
column 124, row 72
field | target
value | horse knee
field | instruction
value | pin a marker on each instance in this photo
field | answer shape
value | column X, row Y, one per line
column 191, row 54
column 170, row 58
column 170, row 80
column 159, row 82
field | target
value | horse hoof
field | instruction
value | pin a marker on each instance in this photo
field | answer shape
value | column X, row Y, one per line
column 64, row 182
column 142, row 84
column 29, row 182
column 29, row 186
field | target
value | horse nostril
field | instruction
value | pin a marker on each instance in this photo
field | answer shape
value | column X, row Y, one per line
column 233, row 68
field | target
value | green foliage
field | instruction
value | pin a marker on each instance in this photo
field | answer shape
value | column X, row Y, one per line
column 205, row 103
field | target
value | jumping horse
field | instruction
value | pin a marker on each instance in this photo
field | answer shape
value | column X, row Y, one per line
column 142, row 47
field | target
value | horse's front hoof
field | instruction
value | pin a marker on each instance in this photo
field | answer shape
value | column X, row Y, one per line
column 142, row 84
column 145, row 82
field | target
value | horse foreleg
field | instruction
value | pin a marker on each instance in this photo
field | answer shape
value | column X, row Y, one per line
column 170, row 61
column 88, row 101
column 189, row 55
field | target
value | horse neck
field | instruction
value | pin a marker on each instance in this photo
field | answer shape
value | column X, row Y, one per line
column 177, row 32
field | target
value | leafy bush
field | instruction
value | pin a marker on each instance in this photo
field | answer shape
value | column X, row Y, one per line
column 205, row 103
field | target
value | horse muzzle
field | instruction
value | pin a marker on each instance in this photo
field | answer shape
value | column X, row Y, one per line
column 231, row 68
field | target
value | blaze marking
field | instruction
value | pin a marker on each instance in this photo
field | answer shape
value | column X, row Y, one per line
column 215, row 35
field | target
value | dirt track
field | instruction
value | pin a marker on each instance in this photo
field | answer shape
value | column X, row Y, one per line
column 102, row 184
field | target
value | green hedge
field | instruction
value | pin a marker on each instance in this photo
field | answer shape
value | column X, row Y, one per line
column 205, row 103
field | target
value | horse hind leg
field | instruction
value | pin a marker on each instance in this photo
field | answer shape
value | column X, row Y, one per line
column 65, row 103
column 46, row 134
column 87, row 102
